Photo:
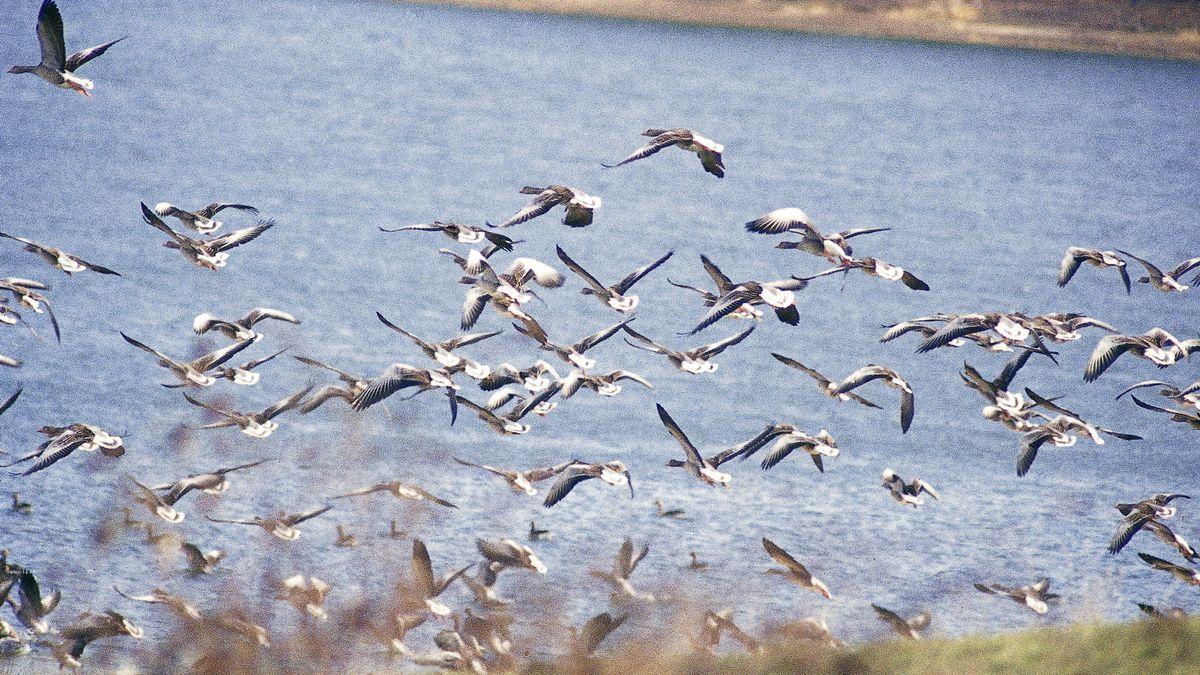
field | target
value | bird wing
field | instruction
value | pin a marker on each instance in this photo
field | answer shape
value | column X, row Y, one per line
column 422, row 569
column 660, row 142
column 953, row 330
column 284, row 404
column 490, row 469
column 892, row 618
column 635, row 276
column 1030, row 443
column 784, row 558
column 211, row 408
column 531, row 403
column 596, row 338
column 802, row 368
column 653, row 346
column 1185, row 267
column 1145, row 383
column 546, row 276
column 251, row 365
column 1155, row 274
column 469, row 339
column 597, row 628
column 154, row 221
column 50, row 37
column 220, row 356
column 394, row 378
column 82, row 56
column 563, row 486
column 473, row 304
column 711, row 161
column 10, row 401
column 57, row 449
column 297, row 518
column 920, row 621
column 163, row 358
column 217, row 207
column 723, row 282
column 259, row 313
column 719, row 346
column 1160, row 564
column 239, row 237
column 780, row 221
column 693, row 455
column 860, row 377
column 1071, row 261
column 1107, row 350
column 907, row 409
column 540, row 204
column 618, row 375
column 578, row 269
column 724, row 306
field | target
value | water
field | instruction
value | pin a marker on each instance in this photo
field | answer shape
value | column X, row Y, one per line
column 337, row 118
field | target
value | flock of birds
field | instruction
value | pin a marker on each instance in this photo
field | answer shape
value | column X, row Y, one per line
column 480, row 639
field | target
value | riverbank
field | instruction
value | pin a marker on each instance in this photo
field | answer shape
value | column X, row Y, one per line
column 954, row 21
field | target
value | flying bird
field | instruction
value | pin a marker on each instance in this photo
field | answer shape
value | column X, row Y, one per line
column 443, row 352
column 790, row 220
column 56, row 67
column 200, row 220
column 1187, row 575
column 282, row 526
column 616, row 296
column 1076, row 256
column 907, row 493
column 428, row 587
column 1155, row 345
column 1139, row 514
column 704, row 470
column 194, row 372
column 613, row 472
column 1170, row 281
column 400, row 490
column 580, row 205
column 521, row 481
column 574, row 354
column 708, row 150
column 891, row 378
column 211, row 254
column 793, row 571
column 256, row 424
column 694, row 361
column 1035, row 596
column 215, row 482
column 59, row 258
column 463, row 234
column 909, row 628
column 624, row 564
column 826, row 385
column 240, row 329
column 509, row 423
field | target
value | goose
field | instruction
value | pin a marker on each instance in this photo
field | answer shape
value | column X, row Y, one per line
column 694, row 361
column 71, row 264
column 89, row 627
column 996, row 392
column 194, row 372
column 1155, row 345
column 1061, row 327
column 507, row 553
column 787, row 438
column 594, row 631
column 1076, row 256
column 1167, row 282
column 1171, row 538
column 704, row 470
column 33, row 607
column 428, row 587
column 521, row 481
column 1169, row 614
column 810, row 630
column 507, row 292
column 612, row 472
column 1183, row 416
column 25, row 292
column 463, row 234
column 256, row 424
column 624, row 564
column 1138, row 514
column 539, row 533
column 56, row 67
column 400, row 376
column 282, row 526
column 158, row 596
column 1008, row 326
column 1062, row 430
column 485, row 593
column 616, row 296
column 833, row 247
column 20, row 505
column 509, row 423
column 696, row 564
column 580, row 205
column 442, row 352
column 891, row 378
column 884, row 270
column 779, row 295
column 355, row 385
column 155, row 503
column 605, row 385
column 724, row 284
column 1187, row 575
column 826, row 385
column 1186, row 396
column 400, row 490
column 396, row 628
column 535, row 379
column 907, row 493
column 664, row 512
column 345, row 538
column 215, row 483
column 794, row 571
column 708, row 150
column 236, row 622
column 62, row 441
column 1035, row 596
column 200, row 562
column 210, row 254
column 240, row 329
column 717, row 624
column 245, row 374
column 574, row 354
column 909, row 628
column 11, row 643
column 200, row 220
column 503, row 396
column 922, row 327
column 306, row 595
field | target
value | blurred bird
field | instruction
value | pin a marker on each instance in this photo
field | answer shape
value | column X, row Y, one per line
column 708, row 150
column 56, row 67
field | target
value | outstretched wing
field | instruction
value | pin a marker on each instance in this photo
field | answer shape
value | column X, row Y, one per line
column 578, row 269
column 635, row 276
column 660, row 142
column 50, row 36
column 239, row 237
column 690, row 450
column 217, row 207
column 82, row 56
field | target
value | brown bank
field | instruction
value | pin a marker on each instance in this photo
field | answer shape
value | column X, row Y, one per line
column 1150, row 28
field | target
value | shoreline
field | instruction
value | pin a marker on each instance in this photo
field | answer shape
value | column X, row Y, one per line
column 818, row 19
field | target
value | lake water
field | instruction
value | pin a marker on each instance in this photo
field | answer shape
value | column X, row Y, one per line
column 336, row 118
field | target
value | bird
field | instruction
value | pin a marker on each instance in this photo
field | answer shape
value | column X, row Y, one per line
column 616, row 296
column 1155, row 345
column 67, row 262
column 508, row 553
column 9, row 361
column 612, row 472
column 694, row 361
column 1170, row 614
column 788, row 438
column 1185, row 396
column 427, row 587
column 200, row 220
column 717, row 624
column 25, row 292
column 62, row 441
column 1063, row 327
column 1036, row 596
column 580, row 205
column 826, row 385
column 1171, row 538
column 306, row 595
column 32, row 606
column 505, row 395
column 603, row 384
column 355, row 385
column 539, row 533
column 624, row 564
column 794, row 571
column 724, row 285
column 790, row 220
column 442, row 352
column 56, row 67
column 891, row 378
column 154, row 503
column 256, row 424
column 1009, row 327
column 1138, row 514
column 708, row 150
column 175, row 603
column 400, row 376
column 1187, row 575
column 664, row 512
column 245, row 373
column 463, row 234
column 400, row 490
column 509, row 423
column 1183, row 416
column 696, row 564
column 594, row 631
column 88, row 628
column 704, row 470
column 1076, row 256
column 507, row 292
column 1167, row 282
column 1061, row 429
column 535, row 379
column 240, row 329
column 996, row 391
column 200, row 562
column 210, row 254
column 909, row 628
column 215, row 482
column 521, row 481
column 283, row 525
column 20, row 505
column 884, row 270
column 194, row 372
column 907, row 493
column 574, row 354
column 779, row 295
